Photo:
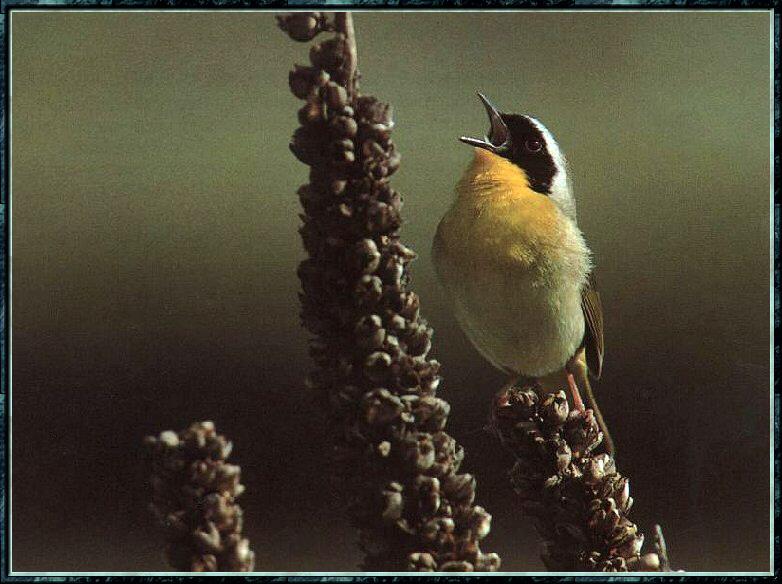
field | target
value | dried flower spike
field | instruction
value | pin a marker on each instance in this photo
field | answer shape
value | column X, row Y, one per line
column 579, row 502
column 393, row 460
column 194, row 500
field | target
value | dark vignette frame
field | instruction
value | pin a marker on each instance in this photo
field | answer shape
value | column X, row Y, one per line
column 274, row 5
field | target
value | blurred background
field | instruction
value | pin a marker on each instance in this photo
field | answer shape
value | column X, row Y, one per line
column 155, row 245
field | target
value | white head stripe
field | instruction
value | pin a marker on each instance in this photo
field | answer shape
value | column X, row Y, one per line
column 560, row 186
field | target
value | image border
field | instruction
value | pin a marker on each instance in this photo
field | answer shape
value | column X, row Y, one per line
column 6, row 8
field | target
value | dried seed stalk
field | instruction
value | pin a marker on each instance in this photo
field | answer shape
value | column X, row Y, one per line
column 396, row 465
column 578, row 500
column 194, row 500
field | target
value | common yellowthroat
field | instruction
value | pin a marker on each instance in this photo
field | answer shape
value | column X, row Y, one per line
column 515, row 265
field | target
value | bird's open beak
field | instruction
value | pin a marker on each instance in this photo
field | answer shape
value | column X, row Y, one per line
column 498, row 139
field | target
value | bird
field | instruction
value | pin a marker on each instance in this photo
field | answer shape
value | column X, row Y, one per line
column 515, row 266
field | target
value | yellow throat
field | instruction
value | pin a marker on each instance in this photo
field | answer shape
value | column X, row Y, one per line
column 504, row 216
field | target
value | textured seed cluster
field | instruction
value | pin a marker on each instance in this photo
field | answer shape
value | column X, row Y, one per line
column 578, row 500
column 394, row 461
column 194, row 500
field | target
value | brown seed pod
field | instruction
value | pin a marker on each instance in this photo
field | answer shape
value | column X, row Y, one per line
column 305, row 81
column 302, row 26
column 343, row 127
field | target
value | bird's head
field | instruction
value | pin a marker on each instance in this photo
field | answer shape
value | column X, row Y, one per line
column 525, row 142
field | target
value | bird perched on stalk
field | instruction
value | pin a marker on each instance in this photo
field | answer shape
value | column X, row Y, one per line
column 515, row 265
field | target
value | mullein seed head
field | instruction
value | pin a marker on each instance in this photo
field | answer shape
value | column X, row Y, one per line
column 578, row 500
column 390, row 451
column 194, row 493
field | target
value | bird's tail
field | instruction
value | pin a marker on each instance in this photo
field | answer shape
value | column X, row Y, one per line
column 583, row 382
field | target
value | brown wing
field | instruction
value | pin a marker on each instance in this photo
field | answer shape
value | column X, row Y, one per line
column 593, row 333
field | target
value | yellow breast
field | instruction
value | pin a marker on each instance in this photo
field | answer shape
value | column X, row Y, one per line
column 497, row 217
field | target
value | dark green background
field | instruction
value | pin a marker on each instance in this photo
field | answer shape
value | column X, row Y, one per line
column 154, row 240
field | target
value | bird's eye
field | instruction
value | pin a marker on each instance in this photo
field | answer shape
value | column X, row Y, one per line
column 533, row 145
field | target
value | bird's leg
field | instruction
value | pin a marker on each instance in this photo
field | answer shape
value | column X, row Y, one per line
column 577, row 401
column 577, row 366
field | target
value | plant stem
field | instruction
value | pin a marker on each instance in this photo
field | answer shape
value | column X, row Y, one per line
column 344, row 24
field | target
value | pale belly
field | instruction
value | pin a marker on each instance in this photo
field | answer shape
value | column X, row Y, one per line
column 518, row 322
